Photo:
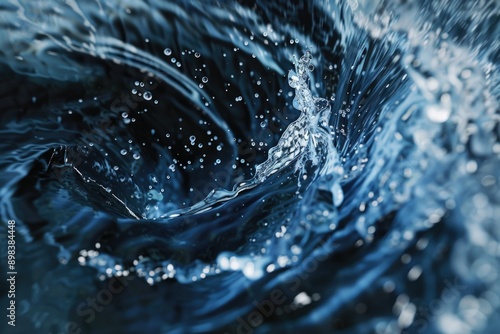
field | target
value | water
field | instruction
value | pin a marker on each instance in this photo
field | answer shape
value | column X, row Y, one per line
column 252, row 167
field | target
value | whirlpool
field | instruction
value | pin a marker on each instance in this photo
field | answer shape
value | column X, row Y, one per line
column 305, row 166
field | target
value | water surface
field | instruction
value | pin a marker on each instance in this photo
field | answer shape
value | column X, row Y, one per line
column 252, row 166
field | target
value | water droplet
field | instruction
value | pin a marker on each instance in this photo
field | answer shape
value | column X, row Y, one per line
column 432, row 84
column 438, row 113
column 167, row 52
column 123, row 152
column 197, row 54
column 293, row 79
column 466, row 73
column 147, row 95
column 136, row 156
column 337, row 194
column 154, row 195
column 204, row 79
column 153, row 179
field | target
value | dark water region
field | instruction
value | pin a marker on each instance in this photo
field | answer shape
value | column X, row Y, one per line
column 250, row 166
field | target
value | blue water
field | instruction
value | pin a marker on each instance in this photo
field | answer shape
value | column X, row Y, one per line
column 251, row 166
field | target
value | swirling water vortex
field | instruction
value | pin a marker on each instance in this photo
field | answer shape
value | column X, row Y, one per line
column 252, row 166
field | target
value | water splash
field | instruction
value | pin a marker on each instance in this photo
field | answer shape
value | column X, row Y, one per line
column 301, row 142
